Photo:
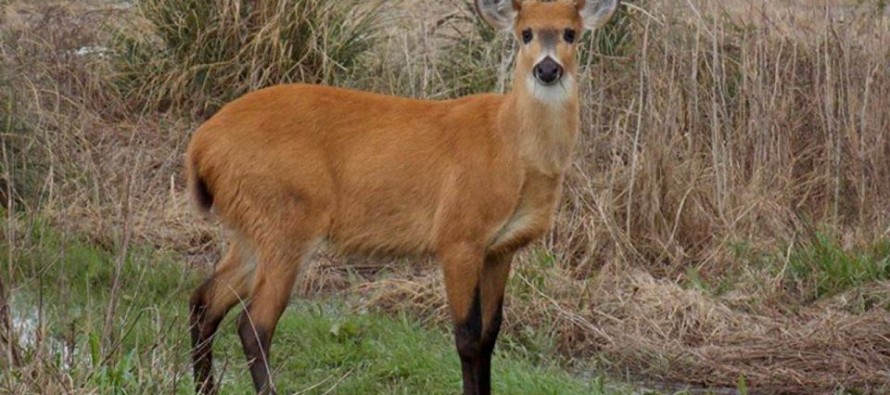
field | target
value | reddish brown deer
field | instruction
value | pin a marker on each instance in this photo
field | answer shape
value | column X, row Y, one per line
column 469, row 181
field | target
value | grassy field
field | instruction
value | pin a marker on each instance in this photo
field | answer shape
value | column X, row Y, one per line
column 725, row 224
column 138, row 342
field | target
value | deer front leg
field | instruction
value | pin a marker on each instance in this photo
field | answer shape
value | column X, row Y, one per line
column 493, row 282
column 462, row 266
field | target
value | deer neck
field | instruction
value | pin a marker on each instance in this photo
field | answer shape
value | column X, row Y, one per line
column 545, row 122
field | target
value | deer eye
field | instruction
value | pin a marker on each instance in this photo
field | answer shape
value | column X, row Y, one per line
column 527, row 36
column 569, row 35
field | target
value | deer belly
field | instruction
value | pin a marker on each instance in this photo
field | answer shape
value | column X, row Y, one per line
column 395, row 222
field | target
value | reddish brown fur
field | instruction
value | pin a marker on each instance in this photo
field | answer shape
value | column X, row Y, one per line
column 468, row 180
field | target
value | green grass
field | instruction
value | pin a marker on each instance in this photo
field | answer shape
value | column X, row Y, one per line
column 822, row 267
column 320, row 345
column 812, row 269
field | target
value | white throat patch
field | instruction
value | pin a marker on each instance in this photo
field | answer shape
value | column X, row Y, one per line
column 555, row 94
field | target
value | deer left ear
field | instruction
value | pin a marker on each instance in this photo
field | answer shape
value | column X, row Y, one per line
column 595, row 13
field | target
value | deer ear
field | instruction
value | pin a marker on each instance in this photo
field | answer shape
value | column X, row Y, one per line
column 595, row 13
column 499, row 14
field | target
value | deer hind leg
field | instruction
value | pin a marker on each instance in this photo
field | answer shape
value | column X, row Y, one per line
column 209, row 304
column 272, row 289
column 282, row 253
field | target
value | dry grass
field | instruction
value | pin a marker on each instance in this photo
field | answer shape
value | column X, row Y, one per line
column 665, row 333
column 714, row 127
column 199, row 55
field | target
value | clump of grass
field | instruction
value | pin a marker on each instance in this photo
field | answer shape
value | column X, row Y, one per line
column 823, row 268
column 19, row 172
column 24, row 162
column 198, row 55
column 475, row 57
column 615, row 39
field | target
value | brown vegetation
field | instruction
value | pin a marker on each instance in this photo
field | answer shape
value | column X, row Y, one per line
column 720, row 144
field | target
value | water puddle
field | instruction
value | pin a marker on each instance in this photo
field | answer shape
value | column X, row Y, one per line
column 32, row 335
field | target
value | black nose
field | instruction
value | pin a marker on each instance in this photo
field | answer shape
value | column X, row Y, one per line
column 548, row 71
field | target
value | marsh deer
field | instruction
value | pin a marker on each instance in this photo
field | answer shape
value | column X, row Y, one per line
column 468, row 181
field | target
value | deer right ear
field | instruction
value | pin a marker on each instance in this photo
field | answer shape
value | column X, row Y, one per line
column 595, row 13
column 499, row 14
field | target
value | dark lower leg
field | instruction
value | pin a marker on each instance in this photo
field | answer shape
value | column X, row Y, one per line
column 256, row 339
column 203, row 327
column 467, row 336
column 493, row 283
column 461, row 265
column 489, row 339
column 256, row 325
column 208, row 306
